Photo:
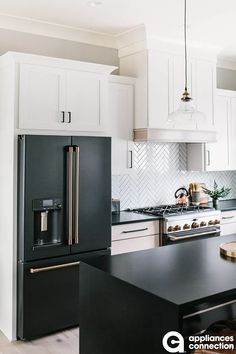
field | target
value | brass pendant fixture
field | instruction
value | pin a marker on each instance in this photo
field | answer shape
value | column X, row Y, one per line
column 186, row 115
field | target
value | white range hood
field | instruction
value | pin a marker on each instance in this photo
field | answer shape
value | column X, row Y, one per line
column 174, row 135
column 158, row 67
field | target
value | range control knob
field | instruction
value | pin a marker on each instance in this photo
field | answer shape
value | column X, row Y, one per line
column 195, row 225
column 186, row 226
column 211, row 222
column 203, row 223
column 217, row 222
column 177, row 228
column 170, row 229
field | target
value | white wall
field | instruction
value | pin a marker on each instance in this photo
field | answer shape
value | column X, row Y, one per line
column 7, row 258
column 60, row 48
column 226, row 79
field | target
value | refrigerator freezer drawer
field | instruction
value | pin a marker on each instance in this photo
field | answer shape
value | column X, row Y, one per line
column 48, row 294
column 48, row 297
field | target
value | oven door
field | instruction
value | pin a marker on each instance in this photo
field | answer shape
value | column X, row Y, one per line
column 190, row 235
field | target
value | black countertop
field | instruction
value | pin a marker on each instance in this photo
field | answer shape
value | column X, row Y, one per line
column 126, row 217
column 180, row 274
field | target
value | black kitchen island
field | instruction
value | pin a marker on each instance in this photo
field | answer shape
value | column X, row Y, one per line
column 130, row 301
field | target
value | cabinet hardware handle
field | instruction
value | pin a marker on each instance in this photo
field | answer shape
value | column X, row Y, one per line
column 76, row 194
column 59, row 266
column 208, row 158
column 175, row 238
column 63, row 117
column 130, row 159
column 70, row 196
column 227, row 217
column 127, row 232
column 69, row 117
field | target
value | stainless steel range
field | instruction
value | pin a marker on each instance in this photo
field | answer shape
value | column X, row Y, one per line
column 180, row 223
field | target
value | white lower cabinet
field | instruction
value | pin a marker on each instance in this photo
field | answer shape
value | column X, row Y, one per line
column 228, row 222
column 134, row 237
column 121, row 122
column 221, row 155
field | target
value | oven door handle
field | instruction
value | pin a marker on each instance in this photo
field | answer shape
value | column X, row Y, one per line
column 174, row 238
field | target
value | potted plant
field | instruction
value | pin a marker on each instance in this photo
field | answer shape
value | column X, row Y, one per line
column 216, row 193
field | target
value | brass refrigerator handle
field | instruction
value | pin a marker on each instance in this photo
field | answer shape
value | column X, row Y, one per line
column 70, row 201
column 59, row 266
column 76, row 234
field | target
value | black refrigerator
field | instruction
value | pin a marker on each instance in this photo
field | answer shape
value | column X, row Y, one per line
column 64, row 217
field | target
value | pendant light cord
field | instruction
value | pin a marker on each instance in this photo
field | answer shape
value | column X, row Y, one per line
column 185, row 44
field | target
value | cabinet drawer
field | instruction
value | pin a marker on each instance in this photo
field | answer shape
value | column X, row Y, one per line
column 228, row 217
column 48, row 296
column 228, row 229
column 201, row 320
column 134, row 244
column 129, row 231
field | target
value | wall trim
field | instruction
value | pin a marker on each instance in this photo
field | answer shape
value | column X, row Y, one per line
column 135, row 39
column 226, row 63
column 47, row 29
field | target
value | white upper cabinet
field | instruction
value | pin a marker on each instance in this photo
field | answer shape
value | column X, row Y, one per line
column 121, row 122
column 232, row 132
column 58, row 94
column 217, row 154
column 41, row 97
column 221, row 155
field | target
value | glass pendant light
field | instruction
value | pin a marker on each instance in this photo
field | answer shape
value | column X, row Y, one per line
column 186, row 116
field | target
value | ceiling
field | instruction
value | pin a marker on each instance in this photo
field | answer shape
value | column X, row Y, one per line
column 209, row 21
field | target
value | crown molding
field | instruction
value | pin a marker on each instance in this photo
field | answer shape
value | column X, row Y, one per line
column 130, row 37
column 47, row 29
column 140, row 38
column 136, row 39
column 226, row 63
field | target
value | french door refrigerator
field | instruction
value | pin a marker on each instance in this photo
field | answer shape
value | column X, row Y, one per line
column 64, row 216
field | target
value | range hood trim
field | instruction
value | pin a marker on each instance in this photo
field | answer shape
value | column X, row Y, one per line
column 174, row 136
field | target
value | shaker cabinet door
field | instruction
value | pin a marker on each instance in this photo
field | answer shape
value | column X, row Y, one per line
column 121, row 116
column 85, row 101
column 41, row 97
column 232, row 133
column 218, row 153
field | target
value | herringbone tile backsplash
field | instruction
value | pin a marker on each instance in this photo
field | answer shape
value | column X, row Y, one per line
column 159, row 170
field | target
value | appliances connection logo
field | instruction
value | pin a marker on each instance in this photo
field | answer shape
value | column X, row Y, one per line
column 173, row 342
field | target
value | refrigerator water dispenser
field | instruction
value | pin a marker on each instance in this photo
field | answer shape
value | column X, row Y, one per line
column 47, row 215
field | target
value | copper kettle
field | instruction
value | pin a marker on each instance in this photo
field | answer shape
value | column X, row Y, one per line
column 181, row 196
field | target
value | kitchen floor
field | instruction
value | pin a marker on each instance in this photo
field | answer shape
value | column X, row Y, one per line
column 66, row 342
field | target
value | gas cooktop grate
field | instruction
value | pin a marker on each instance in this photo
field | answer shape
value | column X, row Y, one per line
column 174, row 209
